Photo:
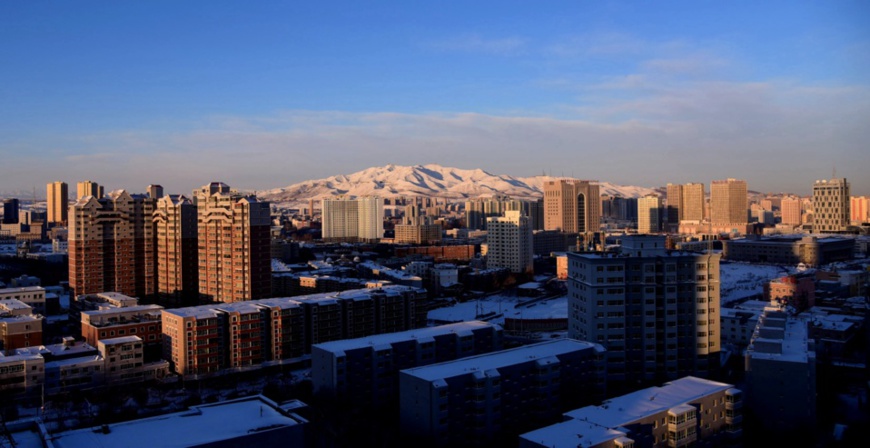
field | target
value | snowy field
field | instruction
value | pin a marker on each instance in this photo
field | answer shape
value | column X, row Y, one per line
column 741, row 280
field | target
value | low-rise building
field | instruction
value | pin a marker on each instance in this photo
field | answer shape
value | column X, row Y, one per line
column 789, row 250
column 125, row 361
column 143, row 321
column 34, row 296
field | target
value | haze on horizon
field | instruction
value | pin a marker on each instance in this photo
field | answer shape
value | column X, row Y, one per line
column 267, row 94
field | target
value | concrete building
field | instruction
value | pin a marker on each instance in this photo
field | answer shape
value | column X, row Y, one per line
column 791, row 290
column 572, row 205
column 509, row 242
column 245, row 335
column 19, row 327
column 859, row 208
column 686, row 412
column 89, row 188
column 649, row 214
column 487, row 400
column 143, row 321
column 789, row 250
column 353, row 220
column 57, row 194
column 791, row 211
column 175, row 221
column 111, row 245
column 729, row 202
column 684, row 203
column 10, row 211
column 656, row 311
column 21, row 374
column 365, row 371
column 234, row 252
column 154, row 191
column 417, row 234
column 125, row 361
column 781, row 375
column 33, row 296
column 545, row 242
column 831, row 203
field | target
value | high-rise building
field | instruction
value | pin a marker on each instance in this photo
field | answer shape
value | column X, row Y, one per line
column 89, row 188
column 572, row 205
column 509, row 242
column 729, row 202
column 791, row 211
column 656, row 311
column 175, row 222
column 10, row 211
column 353, row 220
column 155, row 191
column 859, row 207
column 234, row 253
column 111, row 245
column 831, row 205
column 57, row 194
column 684, row 203
column 648, row 214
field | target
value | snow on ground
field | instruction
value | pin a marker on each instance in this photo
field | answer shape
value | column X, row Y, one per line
column 741, row 280
column 502, row 306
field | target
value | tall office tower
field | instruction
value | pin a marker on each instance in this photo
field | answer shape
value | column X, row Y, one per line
column 831, row 205
column 693, row 203
column 572, row 205
column 859, row 207
column 10, row 211
column 674, row 211
column 175, row 222
column 353, row 220
column 111, row 245
column 649, row 214
column 509, row 242
column 57, row 194
column 656, row 312
column 234, row 255
column 155, row 191
column 89, row 188
column 729, row 202
column 791, row 211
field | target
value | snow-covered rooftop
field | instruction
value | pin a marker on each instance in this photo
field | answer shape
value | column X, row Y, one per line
column 482, row 363
column 389, row 338
column 200, row 425
column 635, row 406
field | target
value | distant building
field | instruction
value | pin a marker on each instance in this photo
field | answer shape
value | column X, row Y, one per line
column 154, row 191
column 89, row 188
column 789, row 250
column 143, row 321
column 487, row 399
column 572, row 205
column 684, row 203
column 685, row 412
column 57, row 194
column 10, row 211
column 656, row 311
column 509, row 241
column 19, row 327
column 353, row 220
column 365, row 371
column 791, row 211
column 729, row 202
column 32, row 296
column 175, row 222
column 649, row 214
column 417, row 234
column 831, row 203
column 859, row 207
column 798, row 292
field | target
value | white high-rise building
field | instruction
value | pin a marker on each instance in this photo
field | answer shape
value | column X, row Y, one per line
column 648, row 214
column 831, row 205
column 509, row 242
column 353, row 220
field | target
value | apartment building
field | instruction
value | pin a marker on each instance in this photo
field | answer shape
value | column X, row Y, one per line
column 649, row 210
column 655, row 310
column 33, row 296
column 729, row 203
column 489, row 399
column 509, row 243
column 57, row 201
column 572, row 205
column 353, row 220
column 143, row 321
column 831, row 203
column 175, row 221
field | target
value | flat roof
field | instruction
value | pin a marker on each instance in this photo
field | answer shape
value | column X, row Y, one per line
column 504, row 358
column 121, row 340
column 389, row 338
column 620, row 411
column 199, row 425
column 792, row 347
column 123, row 310
column 572, row 434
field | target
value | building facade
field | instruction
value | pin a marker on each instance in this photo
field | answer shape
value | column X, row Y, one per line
column 89, row 188
column 57, row 197
column 649, row 214
column 831, row 202
column 656, row 311
column 791, row 211
column 175, row 221
column 509, row 242
column 353, row 220
column 233, row 245
column 572, row 205
column 729, row 202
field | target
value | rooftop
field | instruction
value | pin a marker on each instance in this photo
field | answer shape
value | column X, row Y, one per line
column 416, row 334
column 620, row 411
column 572, row 434
column 481, row 363
column 199, row 425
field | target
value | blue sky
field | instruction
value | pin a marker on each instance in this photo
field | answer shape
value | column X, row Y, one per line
column 265, row 94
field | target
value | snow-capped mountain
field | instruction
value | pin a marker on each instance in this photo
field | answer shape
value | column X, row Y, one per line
column 426, row 180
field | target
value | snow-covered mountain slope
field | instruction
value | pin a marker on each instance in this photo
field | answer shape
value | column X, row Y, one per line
column 426, row 180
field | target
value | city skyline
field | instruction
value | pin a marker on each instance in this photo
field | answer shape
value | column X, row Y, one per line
column 273, row 94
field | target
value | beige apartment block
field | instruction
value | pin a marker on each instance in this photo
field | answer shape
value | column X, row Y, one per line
column 57, row 197
column 572, row 205
column 175, row 221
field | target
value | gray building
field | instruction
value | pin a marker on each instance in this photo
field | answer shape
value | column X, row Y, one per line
column 789, row 250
